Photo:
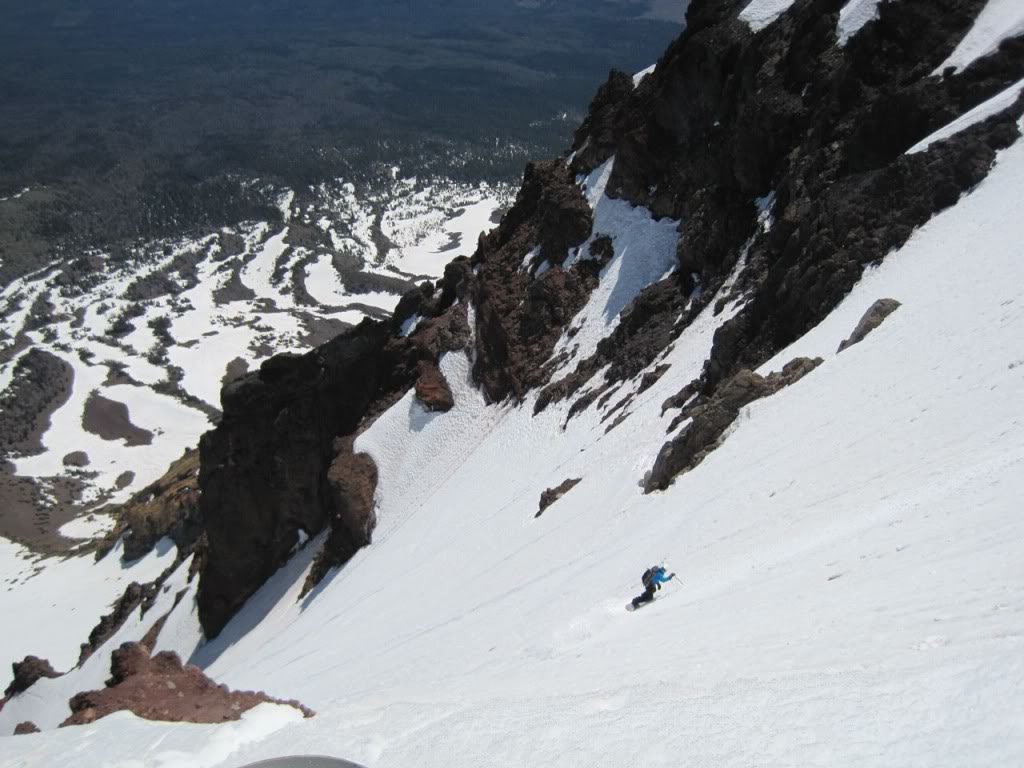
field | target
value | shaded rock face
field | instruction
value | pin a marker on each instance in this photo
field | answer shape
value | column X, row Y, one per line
column 27, row 672
column 873, row 318
column 276, row 466
column 730, row 116
column 712, row 416
column 21, row 729
column 551, row 495
column 162, row 688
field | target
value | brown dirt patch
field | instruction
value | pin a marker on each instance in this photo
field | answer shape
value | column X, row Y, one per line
column 110, row 420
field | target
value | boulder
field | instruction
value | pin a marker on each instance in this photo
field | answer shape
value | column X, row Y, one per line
column 873, row 318
column 551, row 495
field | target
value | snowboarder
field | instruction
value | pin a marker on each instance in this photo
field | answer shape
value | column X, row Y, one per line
column 652, row 580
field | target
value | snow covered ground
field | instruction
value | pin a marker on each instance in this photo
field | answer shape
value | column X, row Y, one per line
column 849, row 584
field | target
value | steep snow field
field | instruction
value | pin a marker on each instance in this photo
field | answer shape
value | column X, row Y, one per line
column 998, row 20
column 850, row 583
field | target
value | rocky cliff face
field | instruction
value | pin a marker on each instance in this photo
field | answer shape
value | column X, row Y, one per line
column 781, row 152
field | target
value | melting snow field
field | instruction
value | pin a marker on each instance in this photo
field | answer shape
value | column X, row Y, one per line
column 850, row 585
column 235, row 312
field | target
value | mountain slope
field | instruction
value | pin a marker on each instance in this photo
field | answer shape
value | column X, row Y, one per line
column 848, row 562
column 847, row 549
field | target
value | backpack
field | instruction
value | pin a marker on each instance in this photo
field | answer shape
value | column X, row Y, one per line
column 648, row 576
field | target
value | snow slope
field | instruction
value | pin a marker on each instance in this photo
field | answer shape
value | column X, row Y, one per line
column 993, row 106
column 758, row 14
column 998, row 20
column 849, row 564
column 65, row 599
column 854, row 15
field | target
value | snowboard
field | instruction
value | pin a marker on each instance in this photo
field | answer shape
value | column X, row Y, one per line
column 631, row 608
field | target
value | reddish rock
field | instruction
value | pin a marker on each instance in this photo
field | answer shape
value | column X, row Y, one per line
column 351, row 480
column 162, row 688
column 27, row 672
column 432, row 388
column 551, row 495
column 26, row 727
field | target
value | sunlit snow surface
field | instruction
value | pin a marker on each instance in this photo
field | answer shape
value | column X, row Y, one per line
column 998, row 21
column 758, row 14
column 854, row 15
column 241, row 309
column 993, row 106
column 849, row 587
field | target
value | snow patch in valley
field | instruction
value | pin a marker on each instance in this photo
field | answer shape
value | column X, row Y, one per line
column 998, row 21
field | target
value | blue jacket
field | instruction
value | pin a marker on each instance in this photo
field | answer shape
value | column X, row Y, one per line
column 660, row 576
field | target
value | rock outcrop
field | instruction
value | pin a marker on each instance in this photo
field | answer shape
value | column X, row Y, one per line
column 27, row 672
column 26, row 727
column 169, row 507
column 710, row 417
column 551, row 495
column 873, row 318
column 162, row 688
column 732, row 122
column 520, row 314
column 281, row 460
column 134, row 595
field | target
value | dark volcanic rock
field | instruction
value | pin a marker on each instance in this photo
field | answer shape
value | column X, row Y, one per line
column 76, row 459
column 264, row 469
column 873, row 318
column 27, row 672
column 21, row 729
column 162, row 688
column 551, row 495
column 711, row 417
column 730, row 116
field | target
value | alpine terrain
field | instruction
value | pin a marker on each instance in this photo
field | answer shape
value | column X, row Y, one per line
column 761, row 323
